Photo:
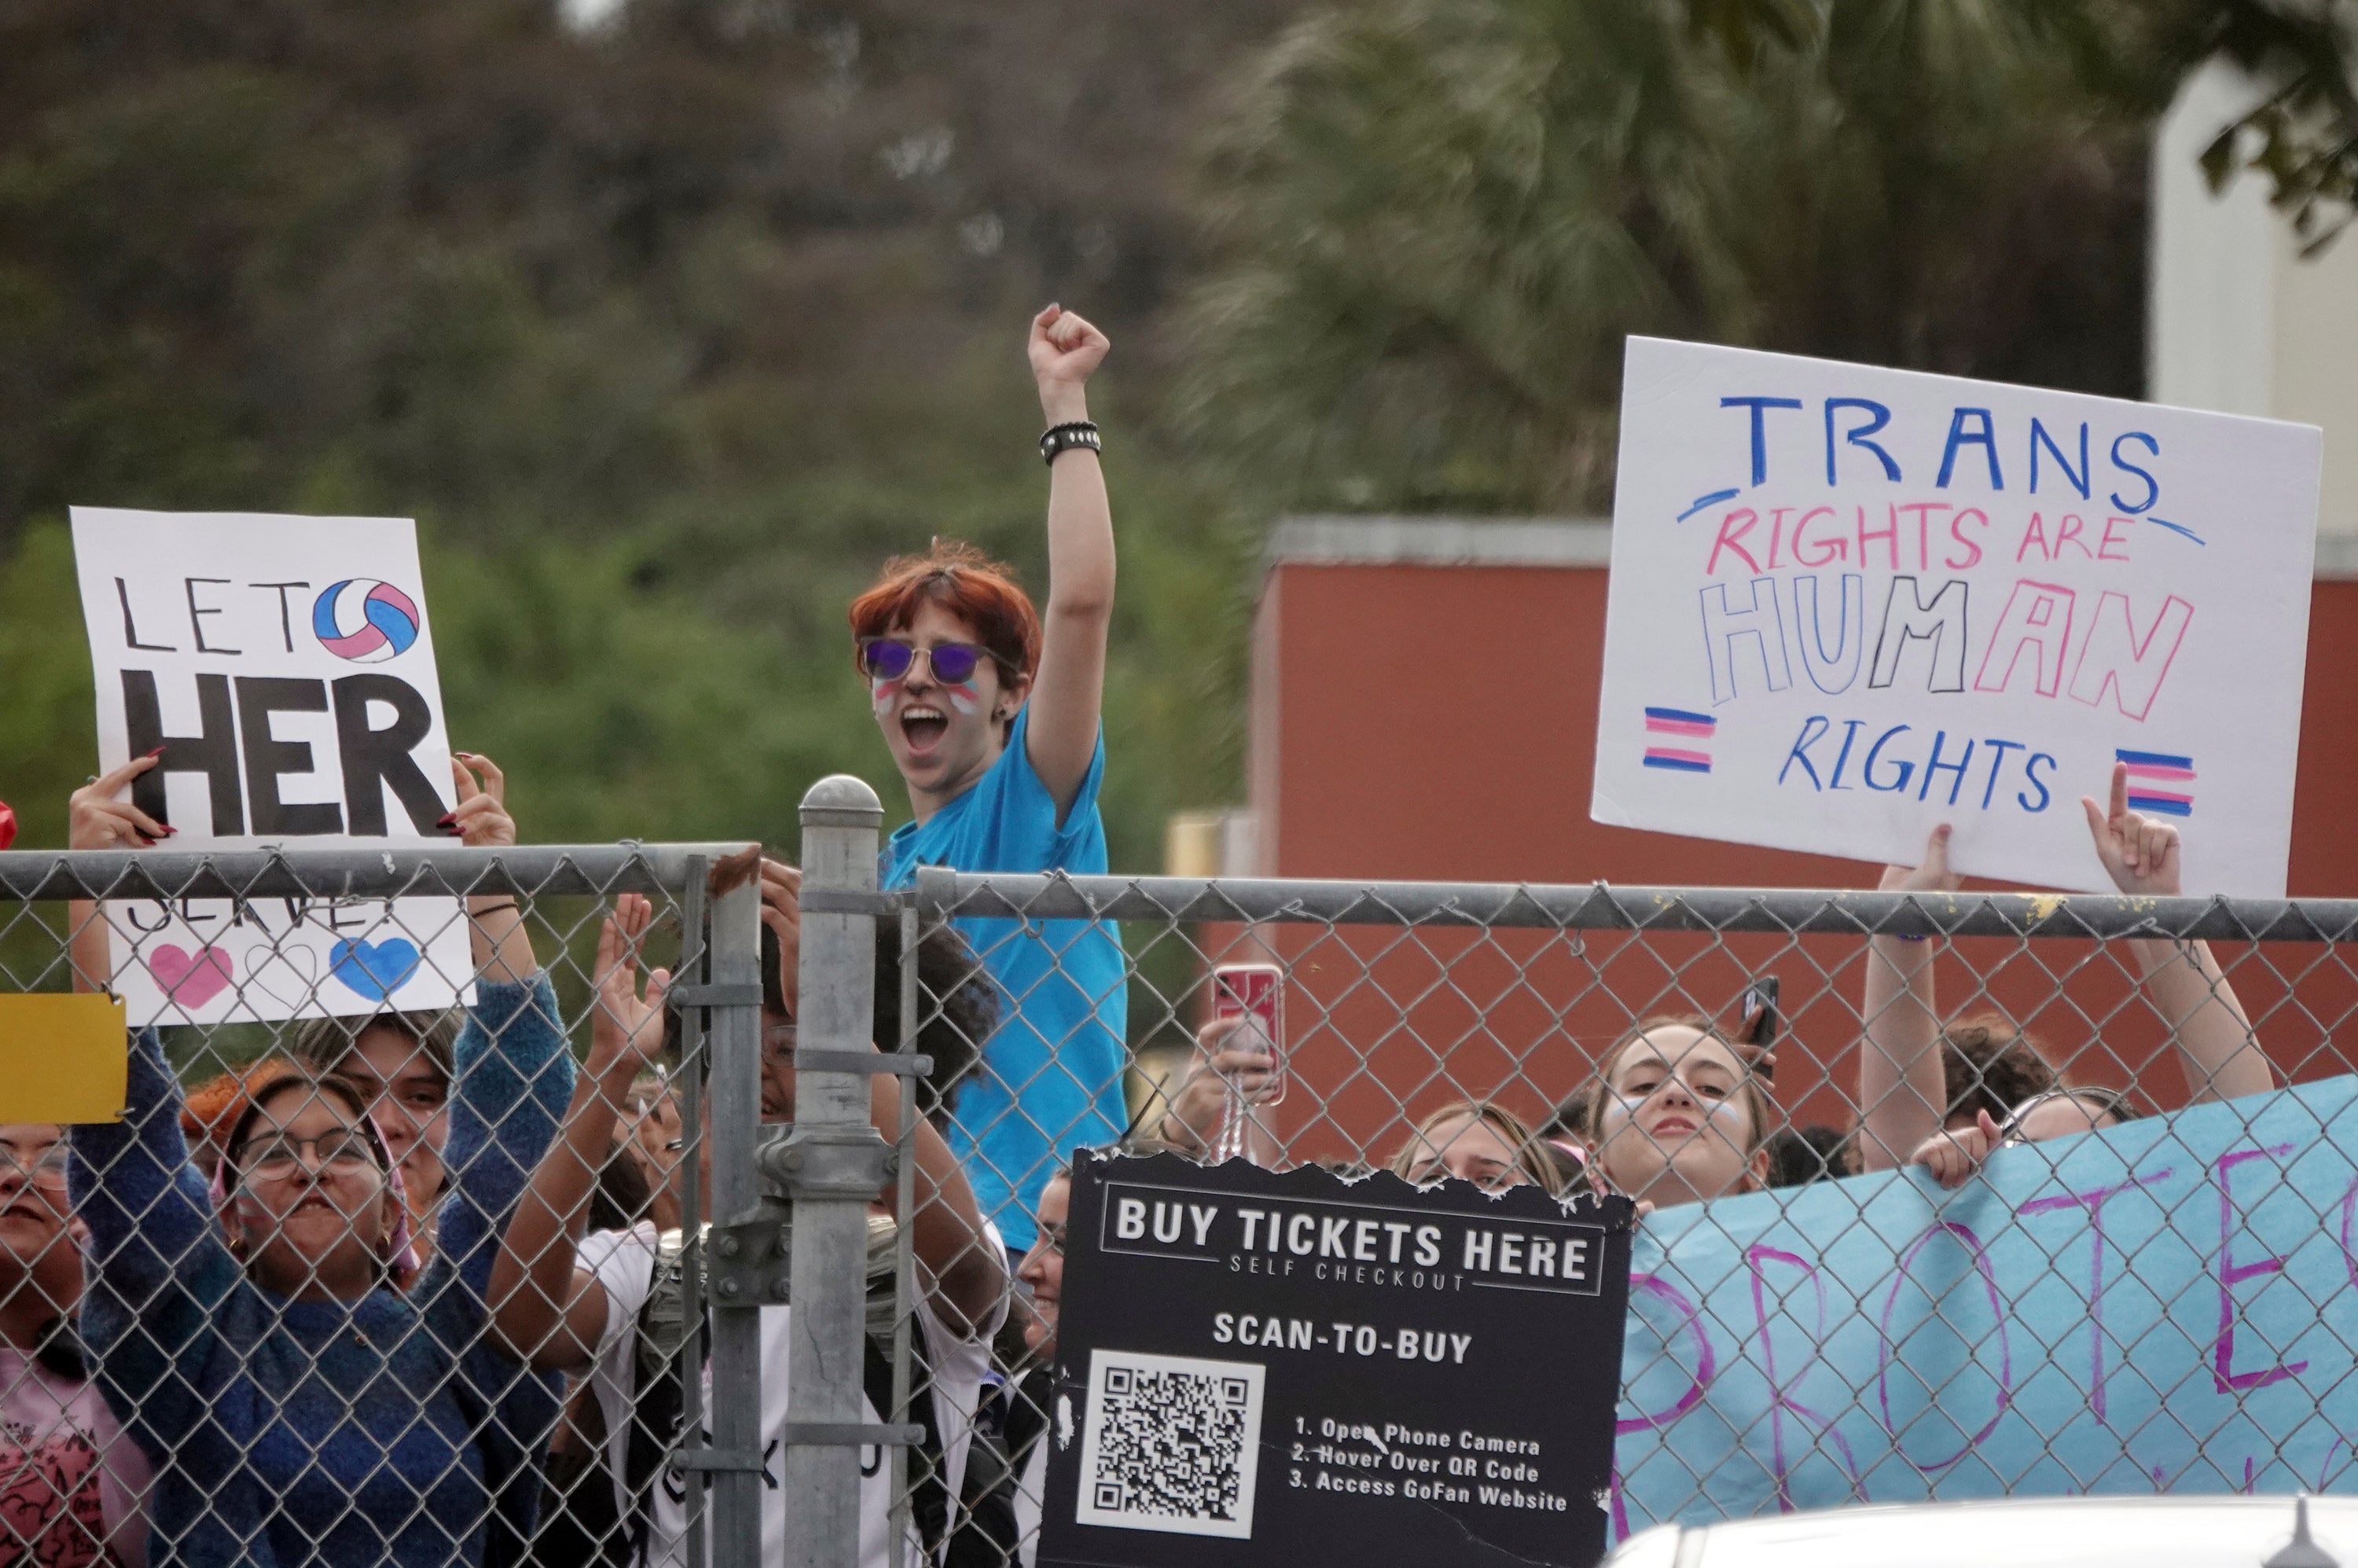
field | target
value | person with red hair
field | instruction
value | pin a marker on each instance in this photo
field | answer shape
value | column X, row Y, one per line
column 990, row 709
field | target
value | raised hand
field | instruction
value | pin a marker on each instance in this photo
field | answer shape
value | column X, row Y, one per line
column 1216, row 1077
column 95, row 819
column 482, row 816
column 2139, row 854
column 781, row 911
column 1930, row 875
column 1065, row 350
column 1953, row 1157
column 626, row 1030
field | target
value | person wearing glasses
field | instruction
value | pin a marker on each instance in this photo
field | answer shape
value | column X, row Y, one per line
column 991, row 711
column 71, row 1481
column 2217, row 1049
column 295, row 1405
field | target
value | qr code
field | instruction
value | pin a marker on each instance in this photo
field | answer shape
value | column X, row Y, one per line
column 1171, row 1444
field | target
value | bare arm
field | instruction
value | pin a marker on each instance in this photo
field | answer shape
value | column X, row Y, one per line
column 1902, row 1091
column 543, row 1309
column 502, row 947
column 96, row 819
column 1068, row 691
column 2221, row 1056
column 966, row 1270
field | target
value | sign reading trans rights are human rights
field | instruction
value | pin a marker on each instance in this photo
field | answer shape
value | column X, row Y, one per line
column 1849, row 603
column 1307, row 1370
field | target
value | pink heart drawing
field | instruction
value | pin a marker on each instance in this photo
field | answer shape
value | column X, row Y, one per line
column 190, row 980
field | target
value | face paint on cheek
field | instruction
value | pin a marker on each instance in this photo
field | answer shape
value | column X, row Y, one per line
column 965, row 698
column 881, row 694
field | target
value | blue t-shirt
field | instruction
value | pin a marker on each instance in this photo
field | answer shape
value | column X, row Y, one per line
column 1050, row 1078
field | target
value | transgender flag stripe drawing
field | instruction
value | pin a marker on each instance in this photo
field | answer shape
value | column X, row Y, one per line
column 1674, row 738
column 2158, row 782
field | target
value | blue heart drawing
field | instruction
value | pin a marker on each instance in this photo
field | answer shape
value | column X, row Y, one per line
column 376, row 969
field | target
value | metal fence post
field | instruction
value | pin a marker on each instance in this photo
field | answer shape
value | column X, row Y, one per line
column 733, row 1102
column 834, row 1165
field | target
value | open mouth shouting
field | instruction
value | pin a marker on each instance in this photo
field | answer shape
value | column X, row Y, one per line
column 922, row 728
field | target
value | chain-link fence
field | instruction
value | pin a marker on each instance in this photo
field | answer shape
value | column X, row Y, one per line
column 2163, row 1306
column 275, row 1312
column 435, row 1283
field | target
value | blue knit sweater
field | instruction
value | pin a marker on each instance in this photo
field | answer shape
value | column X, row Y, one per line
column 345, row 1432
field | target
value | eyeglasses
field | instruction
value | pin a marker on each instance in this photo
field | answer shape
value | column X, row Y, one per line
column 46, row 1169
column 954, row 664
column 778, row 1044
column 276, row 1156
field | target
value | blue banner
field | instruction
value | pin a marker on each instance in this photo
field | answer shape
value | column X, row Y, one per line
column 2163, row 1306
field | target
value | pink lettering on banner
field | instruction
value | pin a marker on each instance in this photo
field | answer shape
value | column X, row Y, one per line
column 2094, row 1202
column 2114, row 659
column 1997, row 1318
column 1779, row 1400
column 2036, row 619
column 1729, row 533
column 2231, row 1274
column 1707, row 1363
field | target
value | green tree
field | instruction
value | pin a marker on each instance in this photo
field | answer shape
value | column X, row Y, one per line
column 1441, row 217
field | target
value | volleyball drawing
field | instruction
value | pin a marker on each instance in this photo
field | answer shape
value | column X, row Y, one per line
column 365, row 620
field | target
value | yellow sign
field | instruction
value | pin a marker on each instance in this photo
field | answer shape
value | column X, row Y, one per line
column 63, row 1058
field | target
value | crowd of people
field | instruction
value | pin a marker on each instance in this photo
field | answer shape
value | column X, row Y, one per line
column 413, row 1291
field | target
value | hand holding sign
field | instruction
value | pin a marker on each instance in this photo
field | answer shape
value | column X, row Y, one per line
column 1953, row 1154
column 482, row 816
column 1931, row 874
column 97, row 819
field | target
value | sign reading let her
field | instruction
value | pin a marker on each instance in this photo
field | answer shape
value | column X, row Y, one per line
column 1850, row 603
column 285, row 667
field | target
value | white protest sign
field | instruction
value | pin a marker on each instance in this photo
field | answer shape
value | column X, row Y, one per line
column 287, row 667
column 1849, row 603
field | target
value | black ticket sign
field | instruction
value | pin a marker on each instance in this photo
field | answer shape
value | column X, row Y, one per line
column 1304, row 1369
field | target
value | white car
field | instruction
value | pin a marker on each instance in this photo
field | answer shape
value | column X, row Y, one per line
column 2020, row 1532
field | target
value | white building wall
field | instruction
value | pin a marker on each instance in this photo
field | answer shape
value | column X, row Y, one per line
column 2239, row 322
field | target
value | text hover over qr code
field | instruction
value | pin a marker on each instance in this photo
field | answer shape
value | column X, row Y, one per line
column 1171, row 1443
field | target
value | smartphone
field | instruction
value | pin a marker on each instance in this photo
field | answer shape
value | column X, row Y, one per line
column 1762, row 1022
column 1255, row 992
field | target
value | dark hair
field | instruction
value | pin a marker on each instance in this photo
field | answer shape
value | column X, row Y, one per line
column 355, row 1100
column 1570, row 1120
column 1988, row 1064
column 1798, row 1155
column 957, row 1006
column 322, row 1043
column 622, row 1197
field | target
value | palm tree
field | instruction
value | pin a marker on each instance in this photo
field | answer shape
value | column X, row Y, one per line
column 1441, row 217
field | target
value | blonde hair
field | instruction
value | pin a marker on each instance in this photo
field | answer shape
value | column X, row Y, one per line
column 1531, row 1157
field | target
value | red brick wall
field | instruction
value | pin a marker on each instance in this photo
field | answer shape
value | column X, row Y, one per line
column 1415, row 722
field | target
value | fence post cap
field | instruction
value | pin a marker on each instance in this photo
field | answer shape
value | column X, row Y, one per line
column 841, row 800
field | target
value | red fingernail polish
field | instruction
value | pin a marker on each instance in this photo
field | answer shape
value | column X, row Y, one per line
column 156, row 752
column 169, row 829
column 447, row 819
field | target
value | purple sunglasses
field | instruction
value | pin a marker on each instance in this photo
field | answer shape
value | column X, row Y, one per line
column 883, row 658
